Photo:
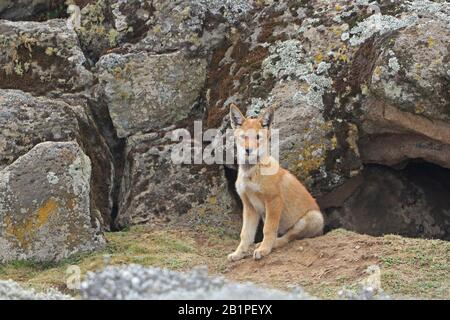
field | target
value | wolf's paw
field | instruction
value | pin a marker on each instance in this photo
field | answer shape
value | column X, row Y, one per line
column 235, row 256
column 260, row 252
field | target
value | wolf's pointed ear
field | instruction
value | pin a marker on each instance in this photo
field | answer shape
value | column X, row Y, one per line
column 236, row 116
column 267, row 118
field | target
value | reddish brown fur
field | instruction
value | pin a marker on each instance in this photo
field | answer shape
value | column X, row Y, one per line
column 287, row 208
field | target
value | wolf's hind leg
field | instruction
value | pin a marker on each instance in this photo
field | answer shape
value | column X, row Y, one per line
column 310, row 225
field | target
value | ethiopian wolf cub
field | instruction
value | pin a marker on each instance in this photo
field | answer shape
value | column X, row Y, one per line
column 288, row 210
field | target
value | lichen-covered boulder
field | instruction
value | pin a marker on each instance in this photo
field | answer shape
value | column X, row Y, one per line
column 413, row 71
column 155, row 189
column 26, row 121
column 41, row 57
column 45, row 210
column 162, row 26
column 145, row 92
column 156, row 26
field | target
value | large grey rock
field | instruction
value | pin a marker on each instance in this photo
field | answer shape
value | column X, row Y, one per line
column 26, row 121
column 137, row 282
column 10, row 290
column 41, row 57
column 45, row 210
column 413, row 71
column 162, row 26
column 145, row 92
column 155, row 190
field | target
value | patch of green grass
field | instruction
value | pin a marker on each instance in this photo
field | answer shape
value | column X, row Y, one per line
column 416, row 267
column 168, row 248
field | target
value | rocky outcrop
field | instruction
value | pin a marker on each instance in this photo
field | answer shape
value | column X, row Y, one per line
column 146, row 92
column 360, row 92
column 41, row 57
column 352, row 84
column 26, row 121
column 412, row 72
column 155, row 189
column 346, row 81
column 195, row 26
column 45, row 213
column 153, row 84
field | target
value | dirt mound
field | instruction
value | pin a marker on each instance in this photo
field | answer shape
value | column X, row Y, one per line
column 339, row 259
column 318, row 259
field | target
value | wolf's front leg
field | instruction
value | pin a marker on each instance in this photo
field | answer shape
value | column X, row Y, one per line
column 274, row 208
column 248, row 232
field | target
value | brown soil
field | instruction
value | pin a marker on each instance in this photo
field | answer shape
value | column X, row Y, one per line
column 311, row 260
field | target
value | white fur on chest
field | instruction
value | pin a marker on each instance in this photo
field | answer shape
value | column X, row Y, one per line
column 245, row 186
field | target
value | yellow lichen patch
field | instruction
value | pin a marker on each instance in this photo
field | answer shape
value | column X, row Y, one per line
column 318, row 58
column 311, row 156
column 27, row 41
column 308, row 161
column 419, row 109
column 352, row 138
column 157, row 29
column 430, row 42
column 337, row 31
column 194, row 39
column 377, row 71
column 186, row 12
column 304, row 87
column 342, row 54
column 22, row 231
column 364, row 89
column 45, row 211
column 12, row 46
column 343, row 57
column 326, row 126
column 213, row 200
column 50, row 51
column 112, row 37
column 99, row 30
column 117, row 73
column 334, row 142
